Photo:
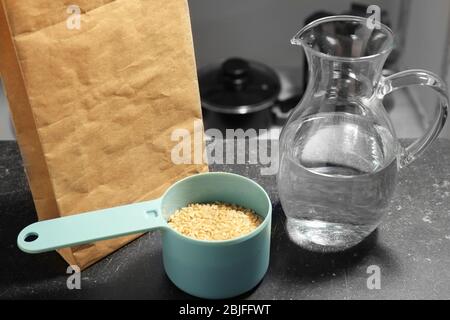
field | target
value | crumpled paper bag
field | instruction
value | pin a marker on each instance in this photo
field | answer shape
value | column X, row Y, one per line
column 95, row 89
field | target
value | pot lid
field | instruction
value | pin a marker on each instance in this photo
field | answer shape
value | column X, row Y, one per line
column 238, row 86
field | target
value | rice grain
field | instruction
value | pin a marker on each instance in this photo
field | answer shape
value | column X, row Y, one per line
column 214, row 221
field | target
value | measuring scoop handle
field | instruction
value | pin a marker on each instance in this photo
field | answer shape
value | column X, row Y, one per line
column 91, row 226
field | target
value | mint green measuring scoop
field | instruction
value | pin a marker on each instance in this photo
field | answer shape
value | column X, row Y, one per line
column 207, row 269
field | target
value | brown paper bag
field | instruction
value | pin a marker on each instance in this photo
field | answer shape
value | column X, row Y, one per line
column 94, row 98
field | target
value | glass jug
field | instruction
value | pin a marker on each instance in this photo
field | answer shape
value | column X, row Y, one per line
column 339, row 154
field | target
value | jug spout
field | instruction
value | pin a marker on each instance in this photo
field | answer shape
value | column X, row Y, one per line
column 345, row 54
column 346, row 38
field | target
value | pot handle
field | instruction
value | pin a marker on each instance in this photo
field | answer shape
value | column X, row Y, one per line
column 418, row 78
column 282, row 109
column 91, row 226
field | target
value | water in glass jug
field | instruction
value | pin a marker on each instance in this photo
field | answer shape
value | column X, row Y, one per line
column 339, row 154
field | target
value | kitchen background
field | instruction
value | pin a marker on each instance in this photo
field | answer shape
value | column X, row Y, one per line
column 261, row 29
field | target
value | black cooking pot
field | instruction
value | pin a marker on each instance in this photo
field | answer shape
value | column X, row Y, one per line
column 239, row 94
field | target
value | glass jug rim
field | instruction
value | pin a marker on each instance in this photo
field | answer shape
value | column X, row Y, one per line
column 296, row 40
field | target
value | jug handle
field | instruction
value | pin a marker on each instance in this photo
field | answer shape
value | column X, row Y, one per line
column 91, row 226
column 418, row 78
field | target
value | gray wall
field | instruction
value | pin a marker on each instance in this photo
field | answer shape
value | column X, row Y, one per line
column 426, row 47
column 427, row 40
column 257, row 29
column 261, row 29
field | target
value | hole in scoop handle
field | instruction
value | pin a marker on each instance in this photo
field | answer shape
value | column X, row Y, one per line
column 91, row 226
column 419, row 78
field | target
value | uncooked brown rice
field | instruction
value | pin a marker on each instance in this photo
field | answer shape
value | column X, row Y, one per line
column 214, row 221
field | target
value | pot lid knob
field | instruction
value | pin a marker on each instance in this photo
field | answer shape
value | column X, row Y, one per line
column 236, row 73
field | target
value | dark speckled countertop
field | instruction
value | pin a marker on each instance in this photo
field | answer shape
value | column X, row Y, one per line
column 411, row 247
